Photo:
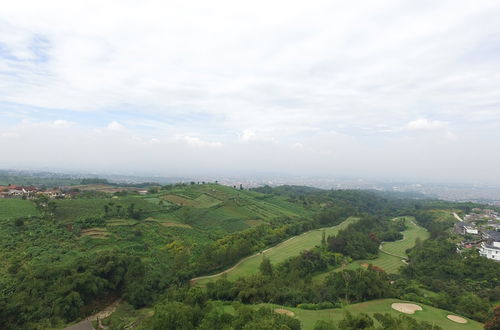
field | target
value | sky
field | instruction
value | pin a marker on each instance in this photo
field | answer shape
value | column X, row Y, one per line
column 388, row 89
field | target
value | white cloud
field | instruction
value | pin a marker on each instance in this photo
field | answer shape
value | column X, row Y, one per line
column 62, row 123
column 246, row 74
column 248, row 135
column 199, row 143
column 115, row 126
column 423, row 124
column 450, row 136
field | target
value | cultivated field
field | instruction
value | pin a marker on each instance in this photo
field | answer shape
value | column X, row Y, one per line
column 430, row 314
column 279, row 253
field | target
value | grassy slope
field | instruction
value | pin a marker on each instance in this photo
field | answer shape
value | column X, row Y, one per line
column 15, row 208
column 430, row 314
column 282, row 251
column 412, row 232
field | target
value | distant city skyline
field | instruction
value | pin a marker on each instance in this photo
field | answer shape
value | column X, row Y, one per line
column 387, row 89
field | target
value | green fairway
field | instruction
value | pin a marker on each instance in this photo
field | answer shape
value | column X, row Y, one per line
column 429, row 314
column 413, row 231
column 280, row 252
column 390, row 264
column 391, row 254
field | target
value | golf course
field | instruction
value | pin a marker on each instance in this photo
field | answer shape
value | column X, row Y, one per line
column 429, row 314
column 277, row 254
column 392, row 254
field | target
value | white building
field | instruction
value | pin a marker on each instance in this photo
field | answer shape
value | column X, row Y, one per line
column 490, row 248
column 471, row 230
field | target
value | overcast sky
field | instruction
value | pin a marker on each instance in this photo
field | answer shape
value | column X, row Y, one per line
column 403, row 89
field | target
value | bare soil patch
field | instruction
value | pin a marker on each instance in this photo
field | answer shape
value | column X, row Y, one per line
column 175, row 224
column 284, row 311
column 95, row 233
column 406, row 308
column 457, row 319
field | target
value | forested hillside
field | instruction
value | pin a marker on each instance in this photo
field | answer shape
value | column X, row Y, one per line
column 65, row 259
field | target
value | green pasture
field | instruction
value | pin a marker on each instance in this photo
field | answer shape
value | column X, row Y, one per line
column 281, row 252
column 429, row 314
column 16, row 208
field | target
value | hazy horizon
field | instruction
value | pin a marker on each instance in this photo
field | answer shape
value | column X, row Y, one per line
column 389, row 89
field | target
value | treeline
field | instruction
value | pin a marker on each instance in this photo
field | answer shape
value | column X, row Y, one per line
column 361, row 239
column 434, row 223
column 50, row 294
column 192, row 308
column 290, row 283
column 466, row 284
column 231, row 248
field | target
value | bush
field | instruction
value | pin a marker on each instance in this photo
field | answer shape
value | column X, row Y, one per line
column 321, row 305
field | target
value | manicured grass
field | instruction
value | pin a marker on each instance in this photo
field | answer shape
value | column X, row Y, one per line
column 282, row 251
column 429, row 314
column 388, row 263
column 16, row 208
column 412, row 232
column 391, row 261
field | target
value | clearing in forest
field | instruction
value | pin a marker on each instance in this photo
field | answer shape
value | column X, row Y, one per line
column 281, row 252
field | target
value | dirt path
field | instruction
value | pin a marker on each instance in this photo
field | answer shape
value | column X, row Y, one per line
column 105, row 312
column 457, row 217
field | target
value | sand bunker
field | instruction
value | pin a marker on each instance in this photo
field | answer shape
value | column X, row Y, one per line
column 457, row 319
column 284, row 311
column 406, row 308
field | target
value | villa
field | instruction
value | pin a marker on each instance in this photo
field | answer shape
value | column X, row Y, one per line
column 490, row 247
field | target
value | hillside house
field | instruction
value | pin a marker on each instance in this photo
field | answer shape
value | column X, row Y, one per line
column 490, row 247
column 53, row 193
column 463, row 228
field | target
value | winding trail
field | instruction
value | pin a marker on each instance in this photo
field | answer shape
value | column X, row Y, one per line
column 457, row 217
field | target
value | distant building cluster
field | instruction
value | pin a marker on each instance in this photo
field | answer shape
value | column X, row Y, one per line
column 481, row 229
column 29, row 192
